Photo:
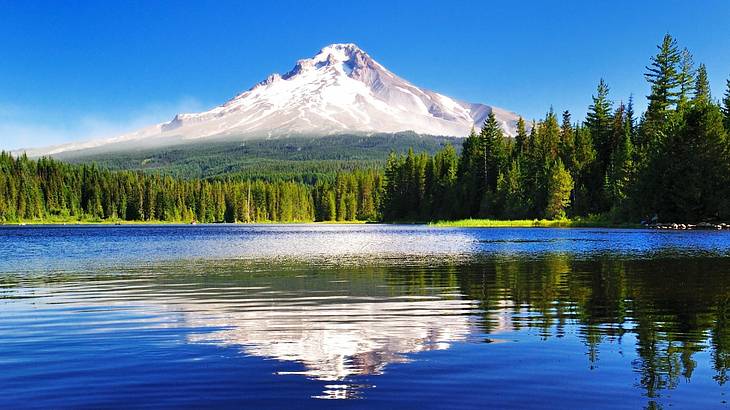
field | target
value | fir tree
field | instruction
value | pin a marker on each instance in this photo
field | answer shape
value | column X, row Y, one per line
column 521, row 136
column 599, row 124
column 665, row 79
column 567, row 139
column 560, row 185
column 702, row 87
column 621, row 170
column 631, row 118
column 494, row 149
column 726, row 105
column 686, row 78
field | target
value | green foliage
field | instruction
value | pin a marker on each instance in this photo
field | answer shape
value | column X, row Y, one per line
column 49, row 190
column 301, row 159
column 702, row 93
column 695, row 170
column 686, row 78
column 560, row 185
column 726, row 106
column 665, row 77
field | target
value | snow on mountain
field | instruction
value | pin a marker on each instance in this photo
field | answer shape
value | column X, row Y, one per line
column 339, row 90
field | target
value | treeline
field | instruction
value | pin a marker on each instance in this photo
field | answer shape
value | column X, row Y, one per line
column 49, row 190
column 672, row 163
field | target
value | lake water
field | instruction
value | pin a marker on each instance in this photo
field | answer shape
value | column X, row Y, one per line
column 363, row 316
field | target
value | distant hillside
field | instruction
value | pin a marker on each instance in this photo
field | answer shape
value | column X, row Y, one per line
column 297, row 158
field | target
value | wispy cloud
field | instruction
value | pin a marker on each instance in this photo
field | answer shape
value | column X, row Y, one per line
column 21, row 127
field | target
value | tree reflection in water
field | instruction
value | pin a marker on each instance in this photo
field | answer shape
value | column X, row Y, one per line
column 343, row 320
column 675, row 307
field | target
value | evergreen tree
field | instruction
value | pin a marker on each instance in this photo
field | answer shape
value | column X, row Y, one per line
column 521, row 136
column 560, row 185
column 549, row 136
column 599, row 123
column 631, row 118
column 693, row 178
column 621, row 169
column 726, row 105
column 471, row 176
column 702, row 94
column 567, row 139
column 686, row 78
column 494, row 154
column 511, row 192
column 665, row 78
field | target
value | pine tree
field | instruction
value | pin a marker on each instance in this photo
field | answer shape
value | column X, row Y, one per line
column 567, row 139
column 692, row 181
column 331, row 206
column 521, row 136
column 665, row 79
column 621, row 170
column 581, row 168
column 471, row 176
column 726, row 105
column 702, row 87
column 599, row 124
column 560, row 185
column 686, row 78
column 549, row 136
column 631, row 118
column 511, row 192
column 494, row 155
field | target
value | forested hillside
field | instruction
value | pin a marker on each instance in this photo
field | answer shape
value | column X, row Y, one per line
column 671, row 163
column 302, row 159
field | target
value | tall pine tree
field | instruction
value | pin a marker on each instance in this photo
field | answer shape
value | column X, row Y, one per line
column 665, row 78
column 702, row 87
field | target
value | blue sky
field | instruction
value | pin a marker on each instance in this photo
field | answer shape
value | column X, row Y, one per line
column 76, row 70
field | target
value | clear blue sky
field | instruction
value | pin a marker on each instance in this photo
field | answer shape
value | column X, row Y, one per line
column 76, row 70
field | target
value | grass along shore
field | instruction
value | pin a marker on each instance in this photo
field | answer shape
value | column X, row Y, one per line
column 533, row 223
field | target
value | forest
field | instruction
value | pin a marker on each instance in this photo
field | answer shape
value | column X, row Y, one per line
column 295, row 158
column 49, row 190
column 671, row 163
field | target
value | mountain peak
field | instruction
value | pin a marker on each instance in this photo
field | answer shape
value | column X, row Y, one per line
column 341, row 89
column 345, row 47
column 346, row 56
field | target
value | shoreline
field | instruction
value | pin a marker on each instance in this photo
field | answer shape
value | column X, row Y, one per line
column 462, row 223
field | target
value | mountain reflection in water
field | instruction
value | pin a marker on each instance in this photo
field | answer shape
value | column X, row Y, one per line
column 580, row 328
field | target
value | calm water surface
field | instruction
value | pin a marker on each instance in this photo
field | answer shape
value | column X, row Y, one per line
column 361, row 316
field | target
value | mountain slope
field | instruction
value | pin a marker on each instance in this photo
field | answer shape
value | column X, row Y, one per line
column 305, row 159
column 340, row 90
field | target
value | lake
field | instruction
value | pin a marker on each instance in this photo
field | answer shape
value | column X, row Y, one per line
column 363, row 316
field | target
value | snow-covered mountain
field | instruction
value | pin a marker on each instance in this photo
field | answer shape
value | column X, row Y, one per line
column 339, row 90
